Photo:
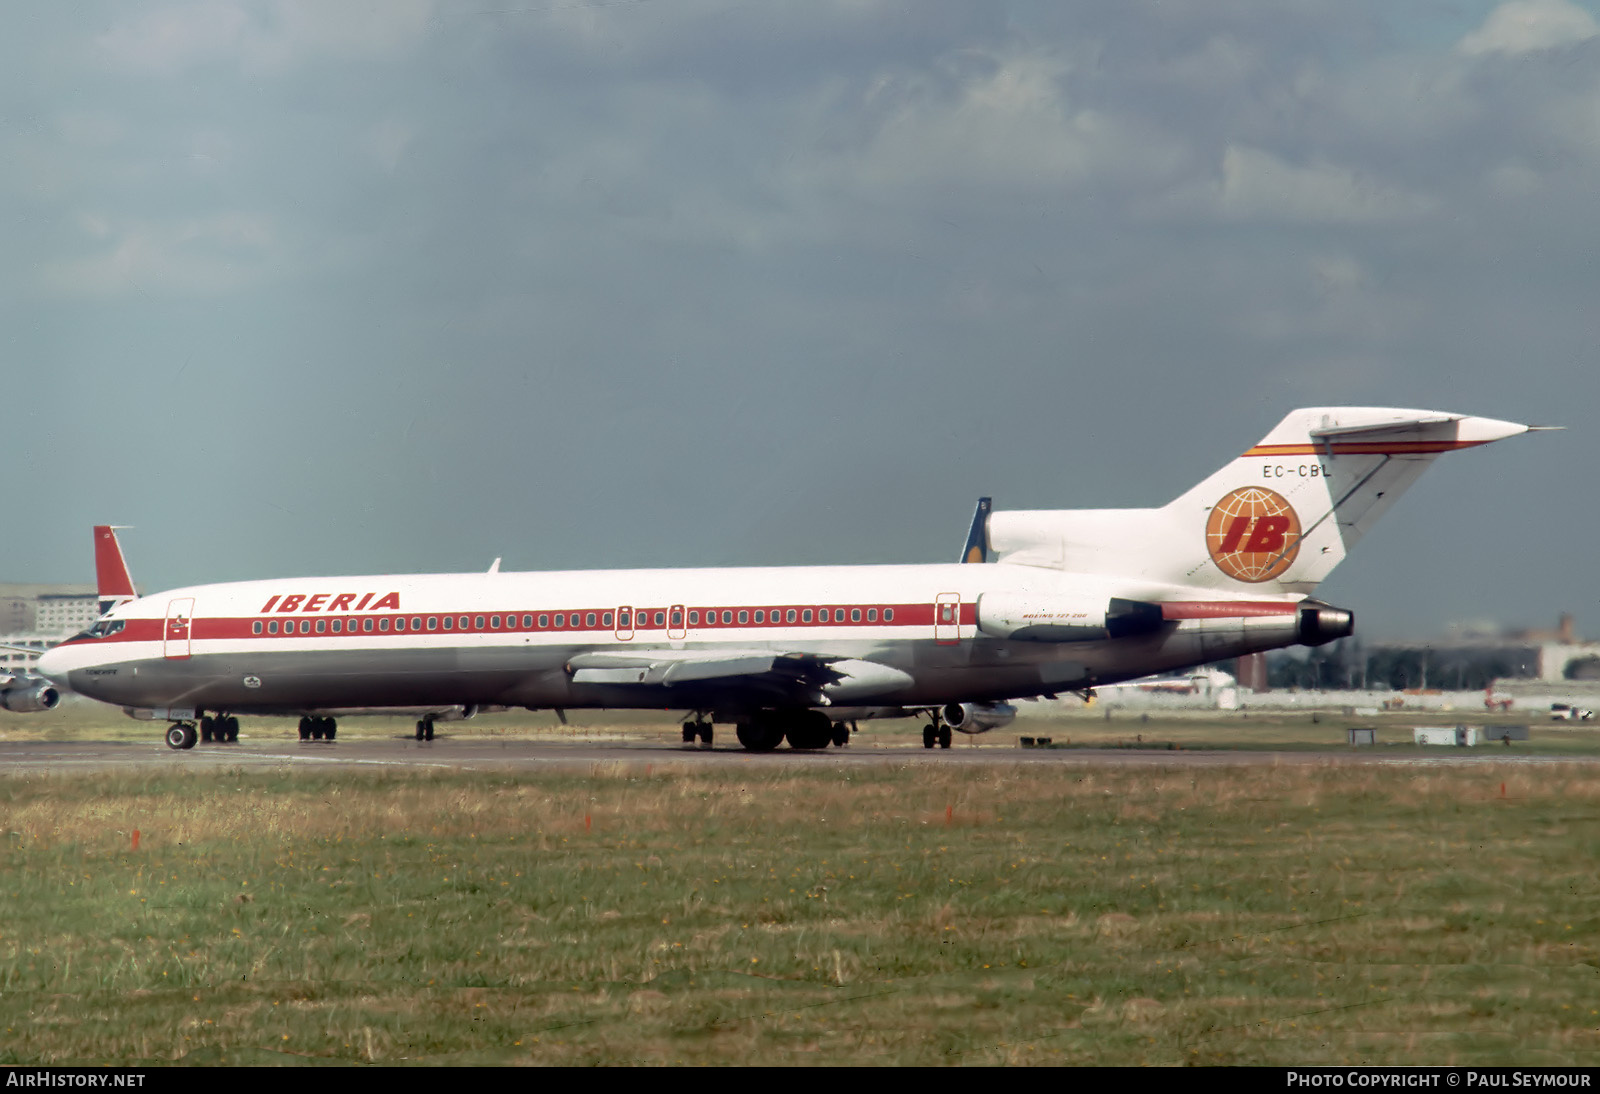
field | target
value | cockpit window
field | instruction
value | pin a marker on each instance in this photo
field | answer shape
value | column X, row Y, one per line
column 105, row 628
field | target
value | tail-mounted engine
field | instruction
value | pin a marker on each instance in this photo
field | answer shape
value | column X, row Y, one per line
column 1041, row 617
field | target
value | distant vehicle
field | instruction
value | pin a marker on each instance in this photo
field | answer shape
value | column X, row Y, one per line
column 1075, row 599
column 1563, row 712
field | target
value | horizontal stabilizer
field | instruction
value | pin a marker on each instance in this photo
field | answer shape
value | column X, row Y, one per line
column 1276, row 520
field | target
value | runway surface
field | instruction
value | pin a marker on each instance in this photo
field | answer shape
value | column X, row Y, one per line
column 529, row 754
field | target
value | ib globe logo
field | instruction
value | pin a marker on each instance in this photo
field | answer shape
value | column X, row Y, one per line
column 1253, row 534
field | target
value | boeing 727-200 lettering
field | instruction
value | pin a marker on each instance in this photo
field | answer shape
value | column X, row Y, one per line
column 1071, row 599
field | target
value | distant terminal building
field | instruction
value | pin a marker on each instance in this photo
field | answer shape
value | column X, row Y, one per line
column 36, row 617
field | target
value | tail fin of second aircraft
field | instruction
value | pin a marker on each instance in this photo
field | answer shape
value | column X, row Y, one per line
column 1278, row 519
column 976, row 549
column 111, row 569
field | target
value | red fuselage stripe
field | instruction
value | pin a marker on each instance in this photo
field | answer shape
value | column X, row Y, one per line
column 201, row 628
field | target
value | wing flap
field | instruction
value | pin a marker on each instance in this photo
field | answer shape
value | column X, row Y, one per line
column 668, row 667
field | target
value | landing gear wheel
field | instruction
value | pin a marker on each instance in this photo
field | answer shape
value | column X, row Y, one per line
column 808, row 730
column 930, row 734
column 705, row 734
column 182, row 735
column 841, row 734
column 425, row 729
column 329, row 728
column 316, row 729
column 208, row 729
column 305, row 729
column 760, row 736
column 230, row 729
column 691, row 730
column 944, row 736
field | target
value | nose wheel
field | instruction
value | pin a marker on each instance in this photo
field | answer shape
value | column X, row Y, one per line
column 182, row 735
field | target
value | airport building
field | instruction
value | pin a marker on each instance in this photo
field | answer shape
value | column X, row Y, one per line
column 35, row 617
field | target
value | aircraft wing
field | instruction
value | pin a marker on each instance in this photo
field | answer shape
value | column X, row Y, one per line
column 808, row 677
column 668, row 667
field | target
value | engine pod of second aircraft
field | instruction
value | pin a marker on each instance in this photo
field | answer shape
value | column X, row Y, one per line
column 1041, row 617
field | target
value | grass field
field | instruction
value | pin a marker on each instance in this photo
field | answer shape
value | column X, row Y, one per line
column 891, row 914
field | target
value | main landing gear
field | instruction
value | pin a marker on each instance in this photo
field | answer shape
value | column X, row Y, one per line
column 697, row 730
column 222, row 729
column 936, row 732
column 805, row 730
column 425, row 729
column 318, row 729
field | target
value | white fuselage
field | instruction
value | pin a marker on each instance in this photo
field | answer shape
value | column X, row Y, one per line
column 299, row 645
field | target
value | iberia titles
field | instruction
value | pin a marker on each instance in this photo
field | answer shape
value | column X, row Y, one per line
column 328, row 602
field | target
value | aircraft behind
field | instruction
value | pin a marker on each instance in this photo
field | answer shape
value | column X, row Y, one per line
column 1072, row 599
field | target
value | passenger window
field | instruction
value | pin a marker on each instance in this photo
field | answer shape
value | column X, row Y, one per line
column 477, row 623
column 661, row 619
column 605, row 620
column 305, row 626
column 383, row 624
column 805, row 616
column 416, row 622
column 888, row 615
column 694, row 619
column 588, row 620
column 272, row 626
column 561, row 620
column 494, row 622
column 433, row 622
column 399, row 624
column 761, row 617
column 544, row 621
column 527, row 622
column 855, row 615
column 744, row 616
column 366, row 624
column 255, row 628
column 625, row 620
column 788, row 617
column 872, row 615
column 449, row 622
column 338, row 626
column 727, row 617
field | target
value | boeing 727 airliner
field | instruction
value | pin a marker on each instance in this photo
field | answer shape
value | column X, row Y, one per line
column 1072, row 599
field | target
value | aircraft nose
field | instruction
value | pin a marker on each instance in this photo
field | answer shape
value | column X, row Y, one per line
column 52, row 663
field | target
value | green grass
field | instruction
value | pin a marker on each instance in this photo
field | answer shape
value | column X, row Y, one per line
column 888, row 914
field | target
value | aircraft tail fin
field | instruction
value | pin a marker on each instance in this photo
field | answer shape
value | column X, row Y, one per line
column 977, row 546
column 114, row 581
column 1277, row 519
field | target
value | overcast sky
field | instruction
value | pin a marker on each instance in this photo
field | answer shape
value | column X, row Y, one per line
column 319, row 287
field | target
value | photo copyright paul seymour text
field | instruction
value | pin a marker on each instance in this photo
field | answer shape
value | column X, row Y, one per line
column 1433, row 1079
